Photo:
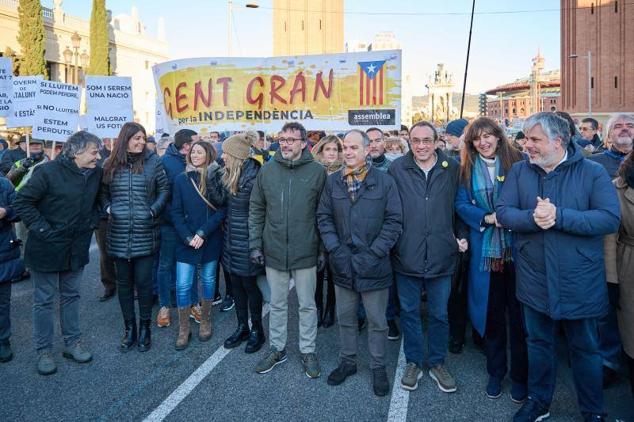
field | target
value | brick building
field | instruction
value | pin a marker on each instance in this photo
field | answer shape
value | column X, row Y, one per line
column 605, row 29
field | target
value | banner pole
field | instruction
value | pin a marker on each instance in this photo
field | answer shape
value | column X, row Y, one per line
column 53, row 151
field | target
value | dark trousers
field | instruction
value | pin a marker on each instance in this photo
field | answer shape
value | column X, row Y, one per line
column 457, row 306
column 325, row 277
column 228, row 286
column 630, row 362
column 106, row 263
column 583, row 344
column 5, row 311
column 504, row 311
column 131, row 273
column 248, row 298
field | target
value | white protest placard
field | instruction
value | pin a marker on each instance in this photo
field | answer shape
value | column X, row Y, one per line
column 109, row 104
column 57, row 115
column 6, row 86
column 25, row 90
column 160, row 125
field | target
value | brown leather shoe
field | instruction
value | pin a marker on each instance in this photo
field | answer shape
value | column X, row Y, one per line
column 194, row 313
column 163, row 317
column 206, row 329
column 184, row 333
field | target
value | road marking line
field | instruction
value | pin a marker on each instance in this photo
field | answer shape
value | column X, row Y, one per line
column 400, row 398
column 183, row 390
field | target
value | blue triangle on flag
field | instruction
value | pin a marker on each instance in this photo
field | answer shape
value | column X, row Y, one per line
column 371, row 68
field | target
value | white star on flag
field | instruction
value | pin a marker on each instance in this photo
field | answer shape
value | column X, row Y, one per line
column 371, row 68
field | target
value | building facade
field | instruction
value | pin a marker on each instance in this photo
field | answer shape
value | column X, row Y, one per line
column 132, row 51
column 307, row 27
column 605, row 30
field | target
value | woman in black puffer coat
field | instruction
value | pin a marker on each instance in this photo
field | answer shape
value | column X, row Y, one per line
column 240, row 174
column 134, row 192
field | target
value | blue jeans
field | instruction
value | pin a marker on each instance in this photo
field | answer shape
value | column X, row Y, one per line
column 185, row 274
column 585, row 359
column 166, row 272
column 409, row 293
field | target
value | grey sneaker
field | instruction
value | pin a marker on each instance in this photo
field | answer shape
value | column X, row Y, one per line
column 45, row 364
column 273, row 359
column 77, row 353
column 311, row 365
column 410, row 378
column 443, row 378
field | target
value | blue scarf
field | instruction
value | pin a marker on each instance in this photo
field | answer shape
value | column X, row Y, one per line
column 496, row 242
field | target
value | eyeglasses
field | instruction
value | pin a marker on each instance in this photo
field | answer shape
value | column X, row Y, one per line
column 425, row 141
column 288, row 141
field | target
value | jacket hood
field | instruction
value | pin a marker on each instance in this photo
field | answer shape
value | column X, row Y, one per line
column 172, row 151
column 305, row 158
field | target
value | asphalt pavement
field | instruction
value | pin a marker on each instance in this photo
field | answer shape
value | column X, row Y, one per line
column 207, row 382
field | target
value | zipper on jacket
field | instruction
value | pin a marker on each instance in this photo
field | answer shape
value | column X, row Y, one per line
column 288, row 205
column 131, row 211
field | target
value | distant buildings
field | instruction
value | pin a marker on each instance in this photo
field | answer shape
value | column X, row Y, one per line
column 132, row 51
column 604, row 29
column 540, row 91
column 307, row 27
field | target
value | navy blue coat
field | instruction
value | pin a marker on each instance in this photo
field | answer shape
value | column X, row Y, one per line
column 359, row 235
column 174, row 164
column 191, row 216
column 561, row 271
column 11, row 265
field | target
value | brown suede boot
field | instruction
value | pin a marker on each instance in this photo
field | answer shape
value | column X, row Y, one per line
column 205, row 330
column 184, row 333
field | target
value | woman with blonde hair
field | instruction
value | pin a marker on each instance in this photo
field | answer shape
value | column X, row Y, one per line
column 241, row 170
column 329, row 153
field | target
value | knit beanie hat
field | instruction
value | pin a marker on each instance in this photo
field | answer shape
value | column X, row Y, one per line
column 239, row 145
column 456, row 127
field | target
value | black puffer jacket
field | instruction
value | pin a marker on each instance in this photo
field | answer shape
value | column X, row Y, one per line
column 135, row 202
column 235, row 255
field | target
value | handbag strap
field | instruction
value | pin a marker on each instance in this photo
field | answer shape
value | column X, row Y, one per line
column 201, row 195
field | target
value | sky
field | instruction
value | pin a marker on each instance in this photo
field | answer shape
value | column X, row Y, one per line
column 506, row 34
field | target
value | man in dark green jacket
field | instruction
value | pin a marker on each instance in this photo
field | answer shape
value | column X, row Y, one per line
column 58, row 206
column 283, row 236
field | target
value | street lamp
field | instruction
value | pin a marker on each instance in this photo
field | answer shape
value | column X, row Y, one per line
column 76, row 40
column 589, row 58
column 84, row 57
column 230, row 23
column 68, row 57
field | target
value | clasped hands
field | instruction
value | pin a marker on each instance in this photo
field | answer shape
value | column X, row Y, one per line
column 545, row 214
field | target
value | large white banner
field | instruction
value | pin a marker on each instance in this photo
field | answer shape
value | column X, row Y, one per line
column 25, row 89
column 6, row 86
column 330, row 92
column 57, row 115
column 109, row 104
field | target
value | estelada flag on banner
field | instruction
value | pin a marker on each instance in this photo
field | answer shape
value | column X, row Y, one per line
column 371, row 82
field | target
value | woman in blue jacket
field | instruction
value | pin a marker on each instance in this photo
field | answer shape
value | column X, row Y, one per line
column 485, row 159
column 198, row 210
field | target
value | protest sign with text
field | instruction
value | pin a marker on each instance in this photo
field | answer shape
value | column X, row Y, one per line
column 25, row 90
column 331, row 92
column 6, row 86
column 57, row 115
column 109, row 104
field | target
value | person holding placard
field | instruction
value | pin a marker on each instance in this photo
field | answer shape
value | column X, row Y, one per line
column 135, row 190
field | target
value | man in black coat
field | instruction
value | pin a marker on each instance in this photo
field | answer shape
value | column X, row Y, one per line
column 360, row 219
column 425, row 255
column 59, row 207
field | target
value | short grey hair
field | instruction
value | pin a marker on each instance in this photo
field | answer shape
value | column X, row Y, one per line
column 364, row 136
column 612, row 121
column 78, row 142
column 553, row 126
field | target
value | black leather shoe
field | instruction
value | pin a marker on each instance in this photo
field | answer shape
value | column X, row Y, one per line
column 236, row 339
column 107, row 294
column 343, row 371
column 256, row 338
column 129, row 336
column 380, row 384
column 145, row 335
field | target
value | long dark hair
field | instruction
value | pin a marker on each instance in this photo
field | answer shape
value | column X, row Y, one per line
column 626, row 170
column 119, row 156
column 505, row 151
column 210, row 157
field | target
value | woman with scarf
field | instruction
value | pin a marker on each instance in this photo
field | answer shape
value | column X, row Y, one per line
column 198, row 210
column 329, row 153
column 487, row 156
column 134, row 191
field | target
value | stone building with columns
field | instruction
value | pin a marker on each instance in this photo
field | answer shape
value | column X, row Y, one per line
column 133, row 51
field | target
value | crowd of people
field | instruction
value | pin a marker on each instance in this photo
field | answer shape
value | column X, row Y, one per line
column 526, row 239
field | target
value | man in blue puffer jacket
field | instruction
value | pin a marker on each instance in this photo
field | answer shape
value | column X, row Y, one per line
column 560, row 206
column 11, row 265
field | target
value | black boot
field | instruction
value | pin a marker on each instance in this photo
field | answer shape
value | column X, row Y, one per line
column 5, row 351
column 145, row 336
column 129, row 336
column 256, row 337
column 241, row 334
